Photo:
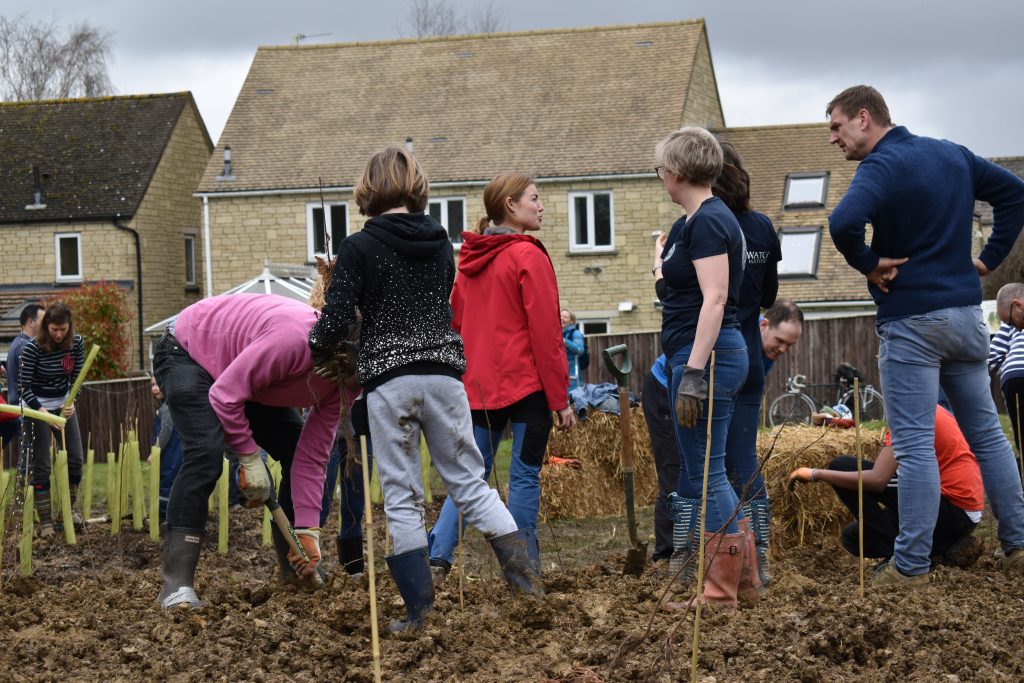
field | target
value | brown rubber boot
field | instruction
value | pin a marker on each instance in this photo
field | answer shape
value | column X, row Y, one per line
column 42, row 505
column 723, row 565
column 750, row 587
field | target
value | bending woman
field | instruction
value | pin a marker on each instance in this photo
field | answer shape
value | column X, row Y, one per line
column 505, row 306
column 50, row 364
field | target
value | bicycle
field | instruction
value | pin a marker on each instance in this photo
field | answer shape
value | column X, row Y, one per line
column 797, row 405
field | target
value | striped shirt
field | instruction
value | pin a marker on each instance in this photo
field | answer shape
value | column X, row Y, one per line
column 46, row 378
column 1006, row 353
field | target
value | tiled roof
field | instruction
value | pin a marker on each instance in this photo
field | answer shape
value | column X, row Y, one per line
column 769, row 154
column 96, row 156
column 1013, row 164
column 549, row 103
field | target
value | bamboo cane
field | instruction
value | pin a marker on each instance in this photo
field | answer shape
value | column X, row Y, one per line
column 860, row 484
column 703, row 512
column 138, row 494
column 154, row 493
column 222, row 517
column 43, row 415
column 64, row 489
column 25, row 544
column 462, row 569
column 90, row 457
column 368, row 522
column 73, row 394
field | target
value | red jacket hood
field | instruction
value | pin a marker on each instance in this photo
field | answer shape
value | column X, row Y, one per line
column 478, row 251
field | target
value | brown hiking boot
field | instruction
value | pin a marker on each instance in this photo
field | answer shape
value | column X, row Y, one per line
column 1012, row 561
column 888, row 575
column 45, row 530
column 963, row 552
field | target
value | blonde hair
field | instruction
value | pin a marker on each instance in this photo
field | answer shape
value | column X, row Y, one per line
column 505, row 185
column 692, row 153
column 324, row 269
column 392, row 178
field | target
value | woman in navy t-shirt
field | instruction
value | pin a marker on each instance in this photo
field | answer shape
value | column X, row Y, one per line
column 702, row 267
column 758, row 290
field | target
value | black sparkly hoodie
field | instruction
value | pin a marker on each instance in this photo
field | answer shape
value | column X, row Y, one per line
column 398, row 271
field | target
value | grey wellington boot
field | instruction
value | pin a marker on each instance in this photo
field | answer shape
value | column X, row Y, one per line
column 181, row 555
column 685, row 531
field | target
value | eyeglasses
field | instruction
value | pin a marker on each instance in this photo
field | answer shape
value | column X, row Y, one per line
column 660, row 172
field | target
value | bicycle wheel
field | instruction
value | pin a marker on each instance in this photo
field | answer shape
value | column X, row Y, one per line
column 872, row 405
column 790, row 409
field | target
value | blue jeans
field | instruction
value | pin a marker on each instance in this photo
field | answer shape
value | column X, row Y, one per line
column 918, row 353
column 531, row 425
column 353, row 500
column 731, row 366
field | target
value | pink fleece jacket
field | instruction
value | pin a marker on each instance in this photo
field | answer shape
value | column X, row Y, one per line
column 254, row 346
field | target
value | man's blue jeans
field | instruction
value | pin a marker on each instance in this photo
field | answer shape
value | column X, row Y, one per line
column 918, row 353
column 730, row 374
column 352, row 503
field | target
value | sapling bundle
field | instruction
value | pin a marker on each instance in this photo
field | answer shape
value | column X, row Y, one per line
column 222, row 499
column 154, row 493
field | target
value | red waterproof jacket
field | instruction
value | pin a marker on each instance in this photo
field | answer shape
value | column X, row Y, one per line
column 505, row 306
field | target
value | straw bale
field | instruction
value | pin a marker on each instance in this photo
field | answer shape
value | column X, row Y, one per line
column 597, row 489
column 809, row 513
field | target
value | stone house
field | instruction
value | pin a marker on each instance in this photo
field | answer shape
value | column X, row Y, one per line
column 102, row 189
column 580, row 110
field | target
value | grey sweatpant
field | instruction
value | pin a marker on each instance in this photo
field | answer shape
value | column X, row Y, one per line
column 398, row 410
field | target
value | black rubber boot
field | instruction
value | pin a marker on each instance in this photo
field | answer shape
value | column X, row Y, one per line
column 281, row 548
column 519, row 556
column 350, row 555
column 411, row 572
column 181, row 555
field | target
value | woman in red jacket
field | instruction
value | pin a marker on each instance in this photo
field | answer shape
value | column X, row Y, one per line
column 505, row 306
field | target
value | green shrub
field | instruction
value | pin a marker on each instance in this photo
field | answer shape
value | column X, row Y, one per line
column 102, row 316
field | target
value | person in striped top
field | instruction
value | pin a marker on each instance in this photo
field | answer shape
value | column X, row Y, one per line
column 50, row 364
column 1006, row 356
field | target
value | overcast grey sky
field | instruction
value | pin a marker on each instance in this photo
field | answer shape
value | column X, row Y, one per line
column 947, row 68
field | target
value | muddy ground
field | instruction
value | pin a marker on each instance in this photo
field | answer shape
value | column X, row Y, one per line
column 89, row 614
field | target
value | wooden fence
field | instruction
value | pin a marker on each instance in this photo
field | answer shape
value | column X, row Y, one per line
column 824, row 344
column 105, row 409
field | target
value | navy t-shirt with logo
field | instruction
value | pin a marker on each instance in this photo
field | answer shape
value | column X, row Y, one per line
column 711, row 231
column 763, row 253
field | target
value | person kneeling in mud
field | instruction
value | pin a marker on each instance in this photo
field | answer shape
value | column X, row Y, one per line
column 960, row 507
column 398, row 272
column 235, row 370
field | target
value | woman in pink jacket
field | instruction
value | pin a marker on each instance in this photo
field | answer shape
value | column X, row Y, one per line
column 505, row 306
column 234, row 371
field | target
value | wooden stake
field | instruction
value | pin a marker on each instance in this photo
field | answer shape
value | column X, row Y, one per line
column 462, row 569
column 371, row 570
column 27, row 520
column 860, row 483
column 154, row 494
column 702, row 518
column 222, row 499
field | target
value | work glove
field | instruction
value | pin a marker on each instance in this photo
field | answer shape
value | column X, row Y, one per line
column 801, row 475
column 693, row 390
column 571, row 463
column 310, row 541
column 337, row 366
column 253, row 479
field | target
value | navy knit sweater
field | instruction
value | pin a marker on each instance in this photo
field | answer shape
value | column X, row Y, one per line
column 918, row 194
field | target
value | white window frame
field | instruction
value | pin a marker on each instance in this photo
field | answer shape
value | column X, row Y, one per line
column 190, row 259
column 443, row 202
column 77, row 236
column 823, row 176
column 815, row 256
column 581, row 322
column 589, row 246
column 330, row 228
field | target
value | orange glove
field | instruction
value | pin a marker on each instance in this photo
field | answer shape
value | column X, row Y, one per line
column 310, row 541
column 801, row 474
column 572, row 463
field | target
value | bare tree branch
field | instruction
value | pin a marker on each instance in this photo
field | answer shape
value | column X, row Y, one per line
column 39, row 62
column 488, row 17
column 433, row 18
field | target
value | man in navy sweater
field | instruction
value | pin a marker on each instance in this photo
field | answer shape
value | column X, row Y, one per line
column 918, row 194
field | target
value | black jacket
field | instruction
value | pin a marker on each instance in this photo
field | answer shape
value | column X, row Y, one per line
column 398, row 271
